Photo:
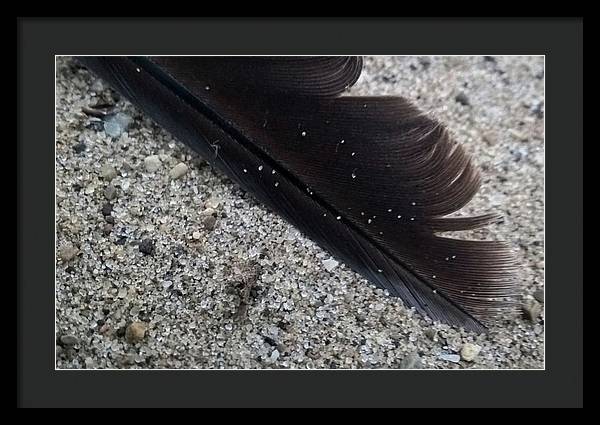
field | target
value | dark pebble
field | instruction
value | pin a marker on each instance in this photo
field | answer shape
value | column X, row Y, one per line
column 430, row 333
column 107, row 229
column 95, row 125
column 77, row 187
column 538, row 110
column 70, row 269
column 425, row 62
column 121, row 240
column 539, row 295
column 107, row 209
column 79, row 147
column 462, row 99
column 389, row 79
column 121, row 331
column 361, row 317
column 147, row 247
column 412, row 67
column 489, row 59
column 109, row 219
column 517, row 156
column 208, row 222
column 270, row 341
column 69, row 340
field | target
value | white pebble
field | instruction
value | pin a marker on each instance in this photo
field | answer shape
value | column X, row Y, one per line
column 330, row 264
column 152, row 163
column 469, row 351
column 178, row 171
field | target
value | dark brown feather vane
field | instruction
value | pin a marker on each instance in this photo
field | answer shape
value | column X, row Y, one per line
column 371, row 179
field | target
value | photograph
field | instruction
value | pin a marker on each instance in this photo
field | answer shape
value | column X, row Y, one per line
column 299, row 212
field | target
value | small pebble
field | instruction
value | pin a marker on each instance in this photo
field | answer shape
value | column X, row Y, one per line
column 147, row 247
column 79, row 147
column 196, row 235
column 110, row 192
column 425, row 62
column 411, row 361
column 469, row 351
column 209, row 221
column 213, row 203
column 107, row 209
column 430, row 333
column 538, row 110
column 330, row 264
column 135, row 332
column 454, row 358
column 68, row 252
column 490, row 138
column 532, row 310
column 116, row 124
column 517, row 134
column 539, row 295
column 108, row 172
column 152, row 163
column 69, row 340
column 178, row 171
column 122, row 293
column 207, row 212
column 107, row 229
column 462, row 99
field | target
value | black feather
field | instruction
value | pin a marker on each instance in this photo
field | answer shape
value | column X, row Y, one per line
column 371, row 179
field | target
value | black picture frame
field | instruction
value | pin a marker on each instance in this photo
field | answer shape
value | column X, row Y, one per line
column 560, row 385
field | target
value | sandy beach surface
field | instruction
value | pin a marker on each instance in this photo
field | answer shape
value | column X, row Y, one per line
column 162, row 262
